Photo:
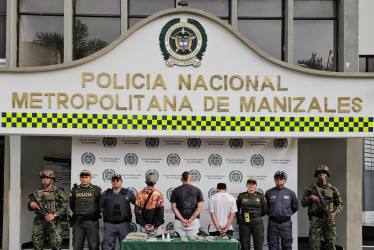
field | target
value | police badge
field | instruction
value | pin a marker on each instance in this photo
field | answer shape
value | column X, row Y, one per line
column 183, row 44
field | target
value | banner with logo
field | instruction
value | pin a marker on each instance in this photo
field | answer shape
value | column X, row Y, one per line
column 210, row 161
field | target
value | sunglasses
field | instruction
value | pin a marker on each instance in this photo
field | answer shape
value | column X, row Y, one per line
column 279, row 178
column 116, row 180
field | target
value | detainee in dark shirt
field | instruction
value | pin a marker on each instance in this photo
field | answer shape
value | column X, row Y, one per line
column 186, row 203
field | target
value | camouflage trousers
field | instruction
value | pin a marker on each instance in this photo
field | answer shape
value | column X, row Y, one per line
column 321, row 227
column 42, row 229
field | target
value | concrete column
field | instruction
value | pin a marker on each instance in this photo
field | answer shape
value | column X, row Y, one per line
column 124, row 16
column 6, row 194
column 11, row 34
column 288, row 32
column 348, row 36
column 68, row 31
column 353, row 204
column 15, row 192
column 234, row 14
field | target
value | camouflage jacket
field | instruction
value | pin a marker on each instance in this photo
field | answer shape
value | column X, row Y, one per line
column 330, row 194
column 57, row 203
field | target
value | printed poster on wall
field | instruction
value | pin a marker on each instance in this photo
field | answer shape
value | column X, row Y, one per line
column 209, row 160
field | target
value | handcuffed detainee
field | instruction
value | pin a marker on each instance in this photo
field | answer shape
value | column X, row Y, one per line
column 49, row 203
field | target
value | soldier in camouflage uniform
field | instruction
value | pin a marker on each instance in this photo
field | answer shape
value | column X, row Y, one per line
column 57, row 204
column 84, row 202
column 322, row 219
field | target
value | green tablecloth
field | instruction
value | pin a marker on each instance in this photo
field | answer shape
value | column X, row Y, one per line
column 177, row 244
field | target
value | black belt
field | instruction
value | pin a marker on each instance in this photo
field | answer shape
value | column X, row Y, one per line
column 116, row 221
column 87, row 217
column 279, row 220
column 253, row 216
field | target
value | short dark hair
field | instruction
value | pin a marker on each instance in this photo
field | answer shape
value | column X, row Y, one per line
column 221, row 186
column 185, row 175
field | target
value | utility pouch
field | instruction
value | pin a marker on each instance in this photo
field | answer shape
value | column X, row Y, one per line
column 328, row 193
column 246, row 217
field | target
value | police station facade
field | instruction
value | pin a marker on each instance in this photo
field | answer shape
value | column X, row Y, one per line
column 143, row 85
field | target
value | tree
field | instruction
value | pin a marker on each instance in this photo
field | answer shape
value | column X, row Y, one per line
column 317, row 63
column 82, row 46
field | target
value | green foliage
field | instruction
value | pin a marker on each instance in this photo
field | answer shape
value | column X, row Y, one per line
column 82, row 46
column 317, row 63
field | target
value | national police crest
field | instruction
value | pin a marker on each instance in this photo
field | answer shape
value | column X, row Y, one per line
column 183, row 43
column 215, row 160
column 194, row 143
column 109, row 142
column 107, row 174
column 236, row 176
column 173, row 160
column 131, row 159
column 88, row 159
column 168, row 193
column 133, row 227
column 152, row 142
column 152, row 171
column 170, row 226
column 236, row 143
column 195, row 176
column 257, row 160
column 212, row 192
column 280, row 143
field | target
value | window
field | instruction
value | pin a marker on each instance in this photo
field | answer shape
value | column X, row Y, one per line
column 261, row 21
column 2, row 28
column 141, row 9
column 40, row 36
column 97, row 23
column 366, row 63
column 315, row 34
column 220, row 8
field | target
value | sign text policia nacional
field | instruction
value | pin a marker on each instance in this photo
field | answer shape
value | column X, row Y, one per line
column 193, row 76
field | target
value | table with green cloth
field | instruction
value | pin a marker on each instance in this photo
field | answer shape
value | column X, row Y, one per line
column 178, row 244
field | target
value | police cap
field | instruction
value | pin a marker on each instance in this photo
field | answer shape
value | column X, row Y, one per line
column 85, row 173
column 281, row 174
column 253, row 180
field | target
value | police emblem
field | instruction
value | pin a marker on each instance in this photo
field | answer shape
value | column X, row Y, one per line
column 109, row 142
column 259, row 190
column 168, row 193
column 280, row 143
column 88, row 159
column 183, row 43
column 132, row 189
column 170, row 226
column 257, row 161
column 152, row 171
column 195, row 176
column 131, row 159
column 133, row 227
column 173, row 160
column 236, row 143
column 215, row 160
column 212, row 192
column 152, row 142
column 107, row 175
column 194, row 143
column 235, row 176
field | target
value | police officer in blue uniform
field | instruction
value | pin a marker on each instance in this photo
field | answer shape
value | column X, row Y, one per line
column 282, row 204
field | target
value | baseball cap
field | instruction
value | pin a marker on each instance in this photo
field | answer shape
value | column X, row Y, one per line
column 85, row 173
column 151, row 178
column 116, row 176
column 252, row 180
column 281, row 174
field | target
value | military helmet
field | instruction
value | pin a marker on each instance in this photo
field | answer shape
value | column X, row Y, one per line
column 322, row 168
column 47, row 173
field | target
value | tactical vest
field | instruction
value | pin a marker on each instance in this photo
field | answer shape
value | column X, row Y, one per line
column 328, row 195
column 86, row 201
column 117, row 207
column 49, row 198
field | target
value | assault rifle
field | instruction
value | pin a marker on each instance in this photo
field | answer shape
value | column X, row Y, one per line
column 44, row 211
column 326, row 211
